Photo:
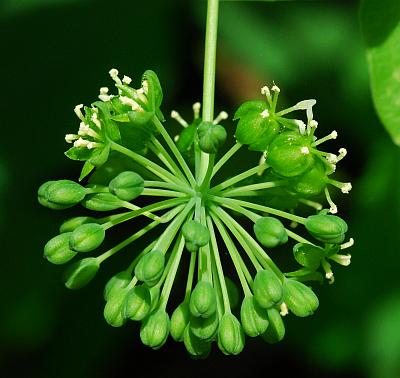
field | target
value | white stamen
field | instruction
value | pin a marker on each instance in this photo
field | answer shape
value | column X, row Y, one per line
column 305, row 104
column 334, row 134
column 145, row 86
column 348, row 244
column 114, row 75
column 126, row 80
column 81, row 143
column 196, row 110
column 265, row 113
column 333, row 208
column 132, row 103
column 346, row 188
column 104, row 90
column 70, row 138
column 332, row 158
column 96, row 120
column 313, row 123
column 344, row 260
column 177, row 117
column 283, row 309
column 301, row 125
column 83, row 128
column 261, row 164
column 304, row 150
column 221, row 116
column 92, row 145
column 105, row 98
column 265, row 91
column 78, row 112
column 176, row 138
column 342, row 153
column 275, row 88
column 329, row 276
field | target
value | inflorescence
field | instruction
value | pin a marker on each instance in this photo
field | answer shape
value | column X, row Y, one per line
column 130, row 160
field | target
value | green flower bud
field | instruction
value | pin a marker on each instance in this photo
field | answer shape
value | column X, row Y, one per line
column 230, row 334
column 308, row 255
column 255, row 127
column 179, row 321
column 203, row 301
column 196, row 347
column 155, row 328
column 254, row 318
column 87, row 237
column 312, row 182
column 204, row 328
column 155, row 297
column 57, row 249
column 81, row 273
column 127, row 186
column 289, row 154
column 233, row 292
column 65, row 192
column 137, row 303
column 270, row 232
column 71, row 224
column 299, row 298
column 326, row 228
column 186, row 138
column 150, row 268
column 196, row 235
column 276, row 329
column 113, row 310
column 102, row 202
column 42, row 197
column 211, row 137
column 115, row 283
column 267, row 288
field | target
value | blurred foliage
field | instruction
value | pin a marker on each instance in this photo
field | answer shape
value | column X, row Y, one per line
column 56, row 55
column 380, row 21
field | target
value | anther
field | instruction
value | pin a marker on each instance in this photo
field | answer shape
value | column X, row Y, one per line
column 348, row 244
column 70, row 138
column 177, row 117
column 114, row 75
column 275, row 88
column 132, row 103
column 96, row 120
column 344, row 260
column 304, row 150
column 78, row 112
column 196, row 110
column 81, row 143
column 301, row 125
column 126, row 80
column 333, row 208
column 342, row 153
column 221, row 116
column 92, row 145
column 283, row 309
column 265, row 113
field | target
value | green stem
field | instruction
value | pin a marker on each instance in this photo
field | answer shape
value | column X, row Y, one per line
column 210, row 57
column 158, row 149
column 226, row 157
column 243, row 189
column 147, row 164
column 175, row 151
column 189, row 282
column 162, row 193
column 233, row 252
column 270, row 210
column 237, row 178
column 167, row 185
column 217, row 260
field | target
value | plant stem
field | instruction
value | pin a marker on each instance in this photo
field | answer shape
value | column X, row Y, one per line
column 210, row 57
column 226, row 157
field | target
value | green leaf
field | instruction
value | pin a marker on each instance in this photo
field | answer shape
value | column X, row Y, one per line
column 79, row 153
column 381, row 28
column 86, row 169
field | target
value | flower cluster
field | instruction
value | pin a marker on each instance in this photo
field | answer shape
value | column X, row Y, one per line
column 131, row 161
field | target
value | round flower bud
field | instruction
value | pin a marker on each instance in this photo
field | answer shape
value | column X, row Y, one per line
column 204, row 328
column 81, row 273
column 312, row 182
column 65, row 192
column 117, row 282
column 267, row 289
column 71, row 224
column 230, row 334
column 87, row 237
column 203, row 301
column 113, row 310
column 196, row 347
column 127, row 185
column 276, row 328
column 326, row 228
column 211, row 137
column 137, row 303
column 299, row 298
column 289, row 154
column 155, row 328
column 270, row 232
column 254, row 318
column 186, row 138
column 42, row 198
column 196, row 235
column 308, row 255
column 179, row 321
column 102, row 202
column 57, row 249
column 150, row 268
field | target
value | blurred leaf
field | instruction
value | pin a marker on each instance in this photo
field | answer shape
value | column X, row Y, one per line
column 381, row 28
column 12, row 6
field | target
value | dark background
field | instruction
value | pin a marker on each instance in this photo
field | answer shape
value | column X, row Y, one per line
column 56, row 54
